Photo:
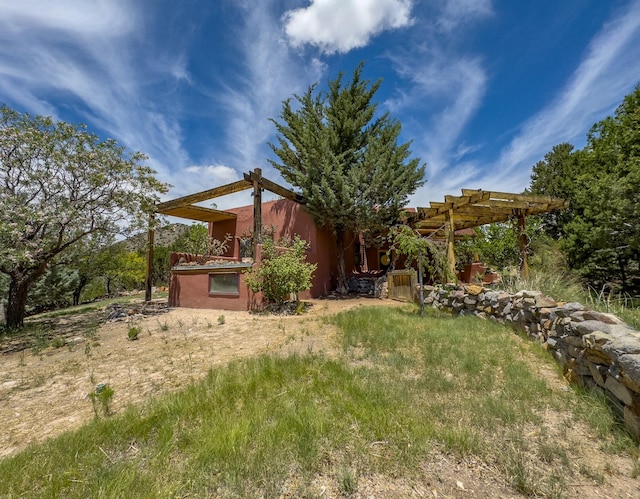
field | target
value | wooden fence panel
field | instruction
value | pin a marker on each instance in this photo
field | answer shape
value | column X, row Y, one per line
column 402, row 285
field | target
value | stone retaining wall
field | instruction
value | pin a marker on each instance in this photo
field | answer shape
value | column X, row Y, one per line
column 596, row 350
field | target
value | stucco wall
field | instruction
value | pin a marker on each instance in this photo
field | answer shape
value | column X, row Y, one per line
column 191, row 289
column 289, row 219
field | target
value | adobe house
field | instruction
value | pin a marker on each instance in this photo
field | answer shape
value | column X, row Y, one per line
column 219, row 283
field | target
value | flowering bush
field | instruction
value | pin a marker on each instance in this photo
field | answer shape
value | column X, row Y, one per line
column 283, row 271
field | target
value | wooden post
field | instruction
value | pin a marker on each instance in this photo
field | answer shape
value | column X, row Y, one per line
column 522, row 246
column 421, row 283
column 257, row 211
column 450, row 237
column 149, row 281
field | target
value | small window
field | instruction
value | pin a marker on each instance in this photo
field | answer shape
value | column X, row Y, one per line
column 224, row 283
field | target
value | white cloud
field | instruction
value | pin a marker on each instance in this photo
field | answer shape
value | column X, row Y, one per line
column 95, row 61
column 447, row 91
column 594, row 90
column 456, row 12
column 608, row 70
column 342, row 25
column 218, row 174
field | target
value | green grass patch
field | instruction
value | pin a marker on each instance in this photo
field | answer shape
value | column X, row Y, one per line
column 404, row 387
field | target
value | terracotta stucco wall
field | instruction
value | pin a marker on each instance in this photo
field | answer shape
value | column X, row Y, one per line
column 191, row 289
column 289, row 219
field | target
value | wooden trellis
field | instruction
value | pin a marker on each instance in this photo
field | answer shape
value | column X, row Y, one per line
column 477, row 207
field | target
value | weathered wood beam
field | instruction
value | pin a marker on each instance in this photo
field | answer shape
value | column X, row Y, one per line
column 450, row 237
column 216, row 192
column 256, row 177
column 150, row 242
column 192, row 212
column 273, row 187
column 531, row 198
column 523, row 241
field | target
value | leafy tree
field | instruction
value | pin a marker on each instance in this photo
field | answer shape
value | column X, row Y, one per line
column 59, row 186
column 52, row 290
column 403, row 240
column 555, row 176
column 161, row 271
column 197, row 241
column 89, row 262
column 600, row 232
column 346, row 160
column 282, row 271
column 125, row 269
column 495, row 244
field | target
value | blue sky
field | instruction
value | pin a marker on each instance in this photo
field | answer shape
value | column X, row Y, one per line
column 483, row 88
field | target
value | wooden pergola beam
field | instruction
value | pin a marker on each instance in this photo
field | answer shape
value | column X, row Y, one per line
column 267, row 184
column 256, row 177
column 477, row 207
column 216, row 192
column 149, row 277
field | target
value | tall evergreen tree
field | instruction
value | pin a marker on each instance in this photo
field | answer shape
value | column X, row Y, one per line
column 345, row 160
column 600, row 232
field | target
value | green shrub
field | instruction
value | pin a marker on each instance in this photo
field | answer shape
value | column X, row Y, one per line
column 282, row 271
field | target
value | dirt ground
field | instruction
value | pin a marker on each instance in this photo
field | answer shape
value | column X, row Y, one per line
column 45, row 393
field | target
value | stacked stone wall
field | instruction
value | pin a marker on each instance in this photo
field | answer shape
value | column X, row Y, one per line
column 596, row 350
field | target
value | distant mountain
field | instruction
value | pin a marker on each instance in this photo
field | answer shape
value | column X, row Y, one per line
column 164, row 236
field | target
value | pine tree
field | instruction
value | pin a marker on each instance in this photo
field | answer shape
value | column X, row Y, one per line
column 345, row 160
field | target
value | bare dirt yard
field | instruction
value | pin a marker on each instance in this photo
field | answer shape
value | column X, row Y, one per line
column 44, row 392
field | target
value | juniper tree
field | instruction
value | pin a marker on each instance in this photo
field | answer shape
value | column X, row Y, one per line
column 59, row 187
column 345, row 159
column 600, row 232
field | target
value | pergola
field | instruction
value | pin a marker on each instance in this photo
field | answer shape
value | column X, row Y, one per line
column 473, row 209
column 477, row 207
column 185, row 207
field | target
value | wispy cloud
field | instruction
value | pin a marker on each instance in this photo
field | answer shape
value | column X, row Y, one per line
column 457, row 12
column 269, row 74
column 89, row 57
column 611, row 61
column 448, row 92
column 342, row 25
column 220, row 174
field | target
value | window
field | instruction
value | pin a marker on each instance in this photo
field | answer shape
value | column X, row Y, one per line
column 224, row 283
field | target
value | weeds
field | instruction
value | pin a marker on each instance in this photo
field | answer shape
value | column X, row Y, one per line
column 40, row 340
column 133, row 333
column 101, row 399
column 221, row 320
column 347, row 481
column 58, row 342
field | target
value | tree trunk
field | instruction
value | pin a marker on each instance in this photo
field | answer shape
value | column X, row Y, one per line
column 622, row 264
column 78, row 289
column 343, row 287
column 18, row 289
